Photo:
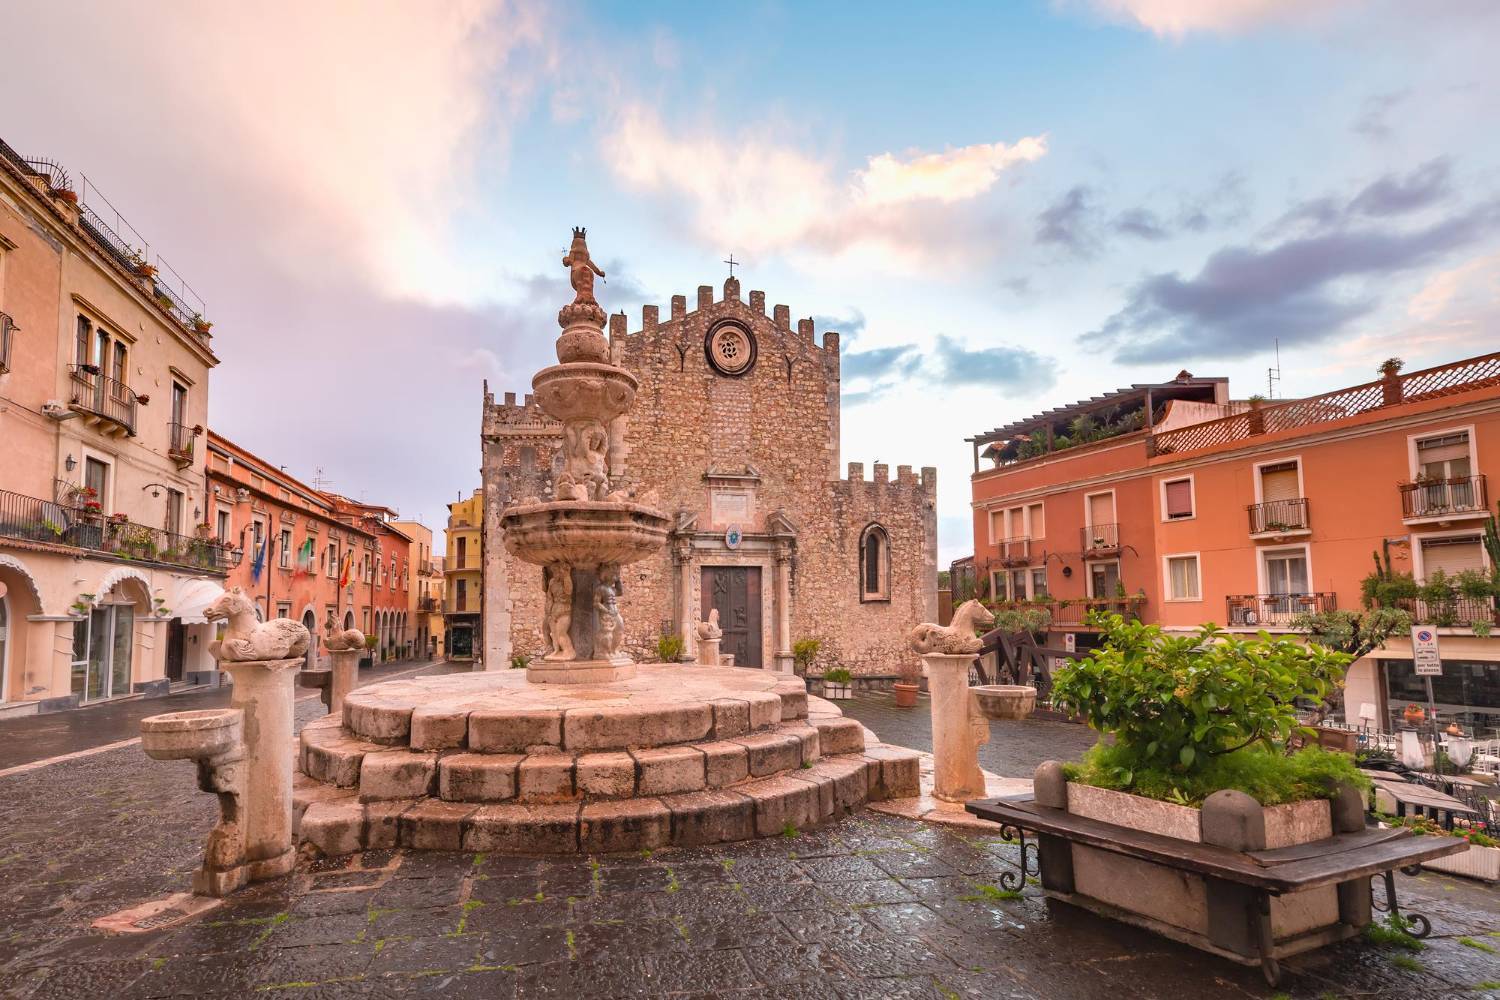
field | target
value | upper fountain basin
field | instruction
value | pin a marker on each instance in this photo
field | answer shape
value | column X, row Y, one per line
column 584, row 532
column 584, row 390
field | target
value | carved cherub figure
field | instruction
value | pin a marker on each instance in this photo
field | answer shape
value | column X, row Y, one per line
column 611, row 627
column 581, row 268
column 559, row 613
column 586, row 445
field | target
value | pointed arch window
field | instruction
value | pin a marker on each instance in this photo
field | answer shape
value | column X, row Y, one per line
column 874, row 564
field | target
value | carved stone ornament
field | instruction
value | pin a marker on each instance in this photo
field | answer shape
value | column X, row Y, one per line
column 710, row 629
column 247, row 639
column 952, row 639
column 730, row 348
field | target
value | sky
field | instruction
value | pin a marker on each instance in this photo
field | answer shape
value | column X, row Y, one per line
column 1001, row 207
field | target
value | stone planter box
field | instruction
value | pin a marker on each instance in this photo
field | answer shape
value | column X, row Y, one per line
column 836, row 692
column 1188, row 907
column 1476, row 862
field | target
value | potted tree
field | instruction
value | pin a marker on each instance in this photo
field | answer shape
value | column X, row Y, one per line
column 1390, row 380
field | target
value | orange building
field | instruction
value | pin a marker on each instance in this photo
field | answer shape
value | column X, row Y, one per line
column 385, row 575
column 1174, row 502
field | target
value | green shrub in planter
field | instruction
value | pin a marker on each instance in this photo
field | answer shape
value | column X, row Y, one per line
column 804, row 651
column 669, row 648
column 1176, row 704
column 838, row 675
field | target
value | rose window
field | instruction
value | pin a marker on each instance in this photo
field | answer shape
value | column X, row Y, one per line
column 731, row 350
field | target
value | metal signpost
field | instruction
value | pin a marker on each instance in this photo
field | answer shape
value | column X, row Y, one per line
column 1428, row 663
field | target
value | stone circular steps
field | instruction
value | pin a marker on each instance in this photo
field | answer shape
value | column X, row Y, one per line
column 677, row 755
column 499, row 712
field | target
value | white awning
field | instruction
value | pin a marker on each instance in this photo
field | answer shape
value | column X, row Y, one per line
column 191, row 598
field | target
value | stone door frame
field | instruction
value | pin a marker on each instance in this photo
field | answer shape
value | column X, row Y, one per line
column 693, row 550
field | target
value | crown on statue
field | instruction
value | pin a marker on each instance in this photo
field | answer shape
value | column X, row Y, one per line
column 579, row 232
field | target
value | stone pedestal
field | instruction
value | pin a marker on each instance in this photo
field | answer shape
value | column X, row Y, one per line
column 264, row 690
column 708, row 652
column 957, row 730
column 345, row 665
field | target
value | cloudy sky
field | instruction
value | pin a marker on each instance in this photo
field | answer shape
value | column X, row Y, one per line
column 1001, row 207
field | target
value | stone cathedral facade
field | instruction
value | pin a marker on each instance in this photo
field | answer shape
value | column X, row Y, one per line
column 735, row 433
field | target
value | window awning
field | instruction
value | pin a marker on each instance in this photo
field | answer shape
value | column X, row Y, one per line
column 191, row 598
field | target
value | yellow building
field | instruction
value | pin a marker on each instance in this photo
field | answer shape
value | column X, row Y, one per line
column 438, row 591
column 463, row 577
column 425, row 594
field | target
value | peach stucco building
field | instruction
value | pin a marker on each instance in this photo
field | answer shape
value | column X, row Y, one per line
column 104, row 365
column 1184, row 506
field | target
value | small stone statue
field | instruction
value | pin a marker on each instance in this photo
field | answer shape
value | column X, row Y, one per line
column 586, row 444
column 559, row 613
column 336, row 639
column 955, row 639
column 710, row 629
column 247, row 639
column 581, row 268
column 611, row 627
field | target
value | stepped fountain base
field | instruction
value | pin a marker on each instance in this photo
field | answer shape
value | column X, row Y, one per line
column 673, row 756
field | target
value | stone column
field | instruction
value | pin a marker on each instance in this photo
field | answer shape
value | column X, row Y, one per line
column 708, row 652
column 345, row 666
column 955, row 737
column 687, row 618
column 264, row 691
column 784, row 609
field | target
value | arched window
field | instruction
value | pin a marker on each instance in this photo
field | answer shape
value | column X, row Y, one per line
column 874, row 564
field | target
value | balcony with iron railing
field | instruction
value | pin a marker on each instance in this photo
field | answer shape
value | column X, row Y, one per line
column 35, row 520
column 1073, row 614
column 1444, row 499
column 1015, row 551
column 1100, row 540
column 1276, row 518
column 103, row 401
column 428, row 604
column 7, row 327
column 1454, row 612
column 1261, row 610
column 1273, row 418
column 180, row 445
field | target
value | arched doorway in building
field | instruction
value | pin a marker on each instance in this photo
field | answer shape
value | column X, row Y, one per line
column 349, row 619
column 310, row 622
column 104, row 642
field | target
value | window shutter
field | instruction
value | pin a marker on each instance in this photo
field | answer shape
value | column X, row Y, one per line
column 1443, row 449
column 1102, row 509
column 1279, row 482
column 1180, row 498
column 1452, row 556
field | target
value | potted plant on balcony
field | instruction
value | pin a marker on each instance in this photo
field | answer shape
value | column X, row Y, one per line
column 1413, row 714
column 1390, row 380
column 1440, row 596
column 201, row 325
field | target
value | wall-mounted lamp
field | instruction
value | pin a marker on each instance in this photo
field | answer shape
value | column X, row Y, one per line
column 155, row 489
column 70, row 463
column 1067, row 571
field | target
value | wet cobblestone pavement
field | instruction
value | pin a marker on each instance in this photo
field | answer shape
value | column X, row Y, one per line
column 872, row 907
column 1014, row 749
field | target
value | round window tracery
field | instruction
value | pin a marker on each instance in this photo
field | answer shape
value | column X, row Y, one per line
column 730, row 349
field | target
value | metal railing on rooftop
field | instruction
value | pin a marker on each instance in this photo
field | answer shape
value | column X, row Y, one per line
column 1272, row 418
column 36, row 520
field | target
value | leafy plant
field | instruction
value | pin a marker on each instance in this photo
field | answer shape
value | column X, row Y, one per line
column 518, row 661
column 669, row 648
column 804, row 651
column 1473, row 585
column 1174, row 703
column 1268, row 777
column 1437, row 589
column 1033, row 620
column 52, row 526
column 838, row 675
column 1481, row 627
column 371, row 642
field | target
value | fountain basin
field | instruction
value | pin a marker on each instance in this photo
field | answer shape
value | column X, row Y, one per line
column 1004, row 701
column 195, row 735
column 584, row 390
column 584, row 532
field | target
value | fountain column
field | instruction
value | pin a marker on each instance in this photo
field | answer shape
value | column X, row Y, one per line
column 264, row 691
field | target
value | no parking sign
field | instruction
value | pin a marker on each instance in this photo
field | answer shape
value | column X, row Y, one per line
column 1424, row 651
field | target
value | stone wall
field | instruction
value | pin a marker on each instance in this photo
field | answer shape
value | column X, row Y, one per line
column 757, row 450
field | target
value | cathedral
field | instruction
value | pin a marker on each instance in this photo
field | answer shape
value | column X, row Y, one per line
column 735, row 434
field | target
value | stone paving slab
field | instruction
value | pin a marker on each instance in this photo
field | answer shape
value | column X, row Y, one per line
column 870, row 906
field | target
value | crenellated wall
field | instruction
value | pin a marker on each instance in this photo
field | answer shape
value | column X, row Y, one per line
column 757, row 449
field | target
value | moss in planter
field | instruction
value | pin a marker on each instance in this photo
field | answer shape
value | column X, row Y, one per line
column 1268, row 776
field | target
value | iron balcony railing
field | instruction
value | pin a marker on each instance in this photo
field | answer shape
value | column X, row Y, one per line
column 1252, row 610
column 180, row 447
column 1100, row 538
column 1015, row 551
column 427, row 604
column 1455, row 612
column 103, row 396
column 7, row 327
column 35, row 520
column 1437, row 497
column 1073, row 614
column 1278, row 515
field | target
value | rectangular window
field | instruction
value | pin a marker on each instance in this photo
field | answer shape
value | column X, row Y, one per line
column 1452, row 555
column 333, row 560
column 1018, row 583
column 119, row 369
column 81, row 346
column 1279, row 482
column 174, row 511
column 1039, row 582
column 1104, row 579
column 1286, row 573
column 463, row 549
column 257, row 530
column 1444, row 456
column 1177, row 499
column 1182, row 578
column 998, row 587
column 1038, row 528
column 223, row 526
column 96, row 478
column 285, row 556
column 283, row 610
column 179, row 403
column 463, row 595
column 1101, row 509
column 997, row 525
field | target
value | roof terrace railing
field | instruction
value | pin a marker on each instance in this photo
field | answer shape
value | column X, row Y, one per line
column 1430, row 383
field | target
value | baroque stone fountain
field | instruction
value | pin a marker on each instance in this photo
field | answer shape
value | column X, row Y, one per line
column 592, row 527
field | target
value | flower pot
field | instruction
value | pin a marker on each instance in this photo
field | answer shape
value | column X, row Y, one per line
column 1413, row 716
column 1477, row 862
column 835, row 691
column 1004, row 701
column 906, row 695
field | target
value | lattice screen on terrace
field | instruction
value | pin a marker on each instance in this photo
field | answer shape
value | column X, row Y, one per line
column 1431, row 383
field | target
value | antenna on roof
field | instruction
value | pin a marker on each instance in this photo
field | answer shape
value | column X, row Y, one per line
column 1273, row 374
column 320, row 483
